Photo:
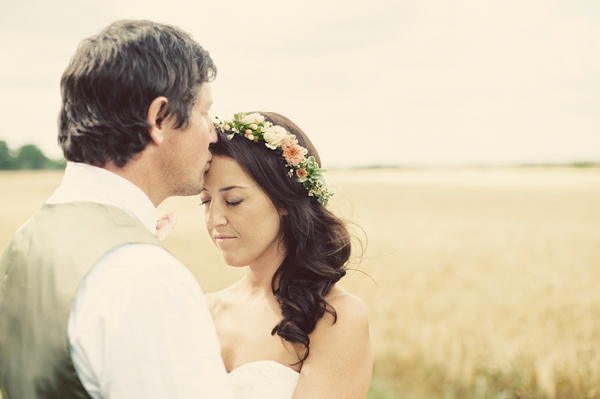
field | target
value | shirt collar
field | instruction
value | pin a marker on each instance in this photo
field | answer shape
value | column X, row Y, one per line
column 86, row 183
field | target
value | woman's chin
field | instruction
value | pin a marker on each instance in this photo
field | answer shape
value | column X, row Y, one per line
column 232, row 261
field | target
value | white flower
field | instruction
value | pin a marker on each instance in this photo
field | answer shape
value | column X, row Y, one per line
column 274, row 136
column 253, row 118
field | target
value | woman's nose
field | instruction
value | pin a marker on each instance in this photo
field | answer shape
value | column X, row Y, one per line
column 215, row 216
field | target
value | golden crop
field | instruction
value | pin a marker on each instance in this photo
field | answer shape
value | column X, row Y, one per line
column 479, row 282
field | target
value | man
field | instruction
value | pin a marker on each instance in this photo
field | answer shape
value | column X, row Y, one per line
column 91, row 304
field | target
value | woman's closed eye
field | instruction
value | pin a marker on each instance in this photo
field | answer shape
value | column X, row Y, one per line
column 204, row 199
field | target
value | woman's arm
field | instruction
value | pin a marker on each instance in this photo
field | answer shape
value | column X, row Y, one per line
column 340, row 361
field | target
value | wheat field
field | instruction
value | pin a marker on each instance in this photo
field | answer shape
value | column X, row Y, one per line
column 480, row 282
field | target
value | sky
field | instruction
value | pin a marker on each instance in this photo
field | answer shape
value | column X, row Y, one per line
column 372, row 83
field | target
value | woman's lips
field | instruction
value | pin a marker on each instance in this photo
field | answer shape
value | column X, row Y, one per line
column 223, row 238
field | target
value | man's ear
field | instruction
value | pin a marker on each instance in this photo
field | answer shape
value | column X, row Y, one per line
column 156, row 120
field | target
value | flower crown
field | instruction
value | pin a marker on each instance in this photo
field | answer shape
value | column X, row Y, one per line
column 255, row 127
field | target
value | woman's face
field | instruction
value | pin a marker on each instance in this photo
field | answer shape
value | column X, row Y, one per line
column 240, row 218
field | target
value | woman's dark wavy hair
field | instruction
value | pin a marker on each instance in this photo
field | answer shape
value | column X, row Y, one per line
column 113, row 78
column 317, row 242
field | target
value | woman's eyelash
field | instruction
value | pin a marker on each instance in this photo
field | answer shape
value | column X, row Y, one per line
column 232, row 203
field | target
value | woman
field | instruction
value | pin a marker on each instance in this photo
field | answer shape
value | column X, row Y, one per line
column 286, row 329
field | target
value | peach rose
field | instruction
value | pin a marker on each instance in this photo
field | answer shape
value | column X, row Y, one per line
column 294, row 154
column 288, row 141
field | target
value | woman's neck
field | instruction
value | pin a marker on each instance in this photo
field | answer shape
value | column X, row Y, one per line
column 259, row 275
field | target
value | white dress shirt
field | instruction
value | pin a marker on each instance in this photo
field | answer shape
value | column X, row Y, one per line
column 139, row 326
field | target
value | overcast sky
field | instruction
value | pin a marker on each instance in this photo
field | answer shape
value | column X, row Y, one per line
column 377, row 82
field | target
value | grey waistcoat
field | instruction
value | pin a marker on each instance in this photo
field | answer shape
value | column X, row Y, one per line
column 40, row 272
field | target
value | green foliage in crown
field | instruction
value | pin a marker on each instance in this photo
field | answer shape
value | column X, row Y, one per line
column 305, row 168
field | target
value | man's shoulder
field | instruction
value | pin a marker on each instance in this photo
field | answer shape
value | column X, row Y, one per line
column 83, row 212
column 142, row 259
column 137, row 270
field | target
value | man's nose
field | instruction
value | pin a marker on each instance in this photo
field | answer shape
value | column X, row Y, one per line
column 212, row 133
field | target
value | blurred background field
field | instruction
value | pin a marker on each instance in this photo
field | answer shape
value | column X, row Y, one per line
column 480, row 282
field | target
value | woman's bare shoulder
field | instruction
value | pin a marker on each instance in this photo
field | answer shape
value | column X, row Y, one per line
column 350, row 315
column 340, row 361
column 348, row 307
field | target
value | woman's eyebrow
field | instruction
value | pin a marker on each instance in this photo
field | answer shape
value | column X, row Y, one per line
column 231, row 188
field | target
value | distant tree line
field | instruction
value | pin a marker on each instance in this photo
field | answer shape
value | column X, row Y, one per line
column 27, row 157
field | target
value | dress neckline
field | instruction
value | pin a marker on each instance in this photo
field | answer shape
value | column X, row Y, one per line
column 258, row 363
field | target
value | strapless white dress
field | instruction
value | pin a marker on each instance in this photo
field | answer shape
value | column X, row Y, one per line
column 264, row 379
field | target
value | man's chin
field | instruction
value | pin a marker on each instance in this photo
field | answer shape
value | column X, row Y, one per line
column 192, row 188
